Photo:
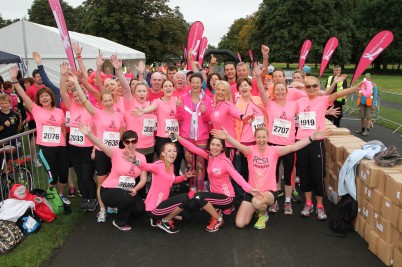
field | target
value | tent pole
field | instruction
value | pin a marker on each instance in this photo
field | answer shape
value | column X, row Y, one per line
column 25, row 45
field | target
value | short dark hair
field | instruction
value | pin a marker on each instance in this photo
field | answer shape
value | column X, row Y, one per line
column 129, row 134
column 170, row 68
column 221, row 140
column 197, row 75
column 45, row 90
column 34, row 72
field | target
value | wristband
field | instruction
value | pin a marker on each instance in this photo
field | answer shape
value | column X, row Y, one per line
column 78, row 56
column 200, row 70
column 311, row 140
column 14, row 82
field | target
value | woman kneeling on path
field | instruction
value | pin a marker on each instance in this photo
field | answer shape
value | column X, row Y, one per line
column 120, row 188
column 219, row 169
column 158, row 204
column 262, row 160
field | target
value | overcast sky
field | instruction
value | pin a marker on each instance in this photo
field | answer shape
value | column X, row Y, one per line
column 217, row 16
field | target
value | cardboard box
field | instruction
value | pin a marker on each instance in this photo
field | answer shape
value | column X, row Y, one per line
column 376, row 200
column 397, row 258
column 368, row 193
column 369, row 172
column 383, row 228
column 359, row 187
column 358, row 221
column 333, row 182
column 396, row 238
column 368, row 212
column 395, row 215
column 340, row 131
column 393, row 188
column 364, row 229
column 386, row 208
column 382, row 179
column 383, row 250
column 348, row 149
column 360, row 202
column 400, row 222
column 336, row 168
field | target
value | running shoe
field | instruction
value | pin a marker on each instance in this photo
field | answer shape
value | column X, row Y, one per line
column 79, row 193
column 122, row 228
column 71, row 192
column 65, row 200
column 274, row 208
column 307, row 210
column 262, row 221
column 279, row 193
column 365, row 133
column 101, row 216
column 296, row 197
column 288, row 209
column 229, row 210
column 111, row 210
column 214, row 224
column 321, row 215
column 154, row 223
column 84, row 205
column 92, row 204
column 168, row 227
column 192, row 192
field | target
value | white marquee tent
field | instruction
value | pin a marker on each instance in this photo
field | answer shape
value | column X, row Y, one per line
column 23, row 37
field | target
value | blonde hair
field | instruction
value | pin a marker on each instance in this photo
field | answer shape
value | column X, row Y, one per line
column 228, row 90
column 161, row 157
column 260, row 129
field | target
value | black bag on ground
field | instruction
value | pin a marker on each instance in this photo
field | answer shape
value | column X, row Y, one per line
column 341, row 219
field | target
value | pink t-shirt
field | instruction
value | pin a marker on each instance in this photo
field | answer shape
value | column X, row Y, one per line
column 281, row 122
column 235, row 93
column 224, row 115
column 247, row 134
column 129, row 75
column 123, row 174
column 166, row 114
column 49, row 126
column 144, row 125
column 152, row 96
column 311, row 115
column 220, row 169
column 107, row 125
column 78, row 113
column 295, row 94
column 178, row 93
column 119, row 106
column 262, row 168
column 162, row 181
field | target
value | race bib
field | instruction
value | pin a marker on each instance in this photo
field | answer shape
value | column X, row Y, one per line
column 67, row 118
column 281, row 127
column 172, row 125
column 76, row 136
column 126, row 182
column 111, row 138
column 51, row 134
column 148, row 127
column 307, row 120
column 258, row 122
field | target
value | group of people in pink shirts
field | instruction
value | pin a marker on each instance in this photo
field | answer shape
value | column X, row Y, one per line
column 133, row 135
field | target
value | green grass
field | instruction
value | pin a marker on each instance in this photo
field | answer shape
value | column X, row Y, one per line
column 39, row 247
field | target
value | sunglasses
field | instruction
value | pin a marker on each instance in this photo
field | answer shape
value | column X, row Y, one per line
column 127, row 142
column 314, row 86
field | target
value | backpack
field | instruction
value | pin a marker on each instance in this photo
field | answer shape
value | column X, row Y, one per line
column 388, row 157
column 10, row 236
column 54, row 200
column 28, row 223
column 43, row 209
column 343, row 215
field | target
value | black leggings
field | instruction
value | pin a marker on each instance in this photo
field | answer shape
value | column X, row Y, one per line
column 55, row 160
column 219, row 201
column 84, row 167
column 288, row 165
column 127, row 205
column 167, row 206
column 160, row 141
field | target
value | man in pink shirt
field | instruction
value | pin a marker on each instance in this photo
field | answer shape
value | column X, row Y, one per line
column 179, row 81
column 155, row 91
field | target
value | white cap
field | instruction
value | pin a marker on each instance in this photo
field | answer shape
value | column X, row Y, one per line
column 271, row 69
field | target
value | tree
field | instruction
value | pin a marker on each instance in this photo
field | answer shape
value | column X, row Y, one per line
column 147, row 25
column 284, row 28
column 41, row 13
column 6, row 22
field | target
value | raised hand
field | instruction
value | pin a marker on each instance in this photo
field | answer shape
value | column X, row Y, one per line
column 77, row 49
column 38, row 59
column 319, row 135
column 213, row 60
column 334, row 111
column 84, row 128
column 264, row 51
column 341, row 78
column 72, row 77
column 190, row 173
column 129, row 157
column 140, row 68
column 63, row 68
column 116, row 62
column 257, row 69
column 99, row 61
column 221, row 134
column 14, row 72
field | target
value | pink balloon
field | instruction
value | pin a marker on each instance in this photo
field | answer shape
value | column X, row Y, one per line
column 367, row 88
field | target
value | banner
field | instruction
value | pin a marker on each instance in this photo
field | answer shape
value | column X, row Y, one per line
column 250, row 53
column 372, row 51
column 329, row 50
column 304, row 52
column 184, row 54
column 61, row 24
column 194, row 40
column 239, row 57
column 203, row 47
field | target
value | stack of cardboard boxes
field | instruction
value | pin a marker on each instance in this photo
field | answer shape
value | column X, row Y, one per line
column 379, row 196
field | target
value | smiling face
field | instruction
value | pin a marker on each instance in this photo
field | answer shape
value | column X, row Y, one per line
column 230, row 71
column 242, row 70
column 107, row 101
column 141, row 93
column 261, row 137
column 213, row 80
column 216, row 146
column 156, row 81
column 196, row 84
column 278, row 76
column 45, row 99
column 312, row 86
column 167, row 88
column 76, row 98
column 5, row 105
column 130, row 144
column 179, row 80
column 280, row 91
column 297, row 77
column 169, row 152
column 110, row 85
column 244, row 89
